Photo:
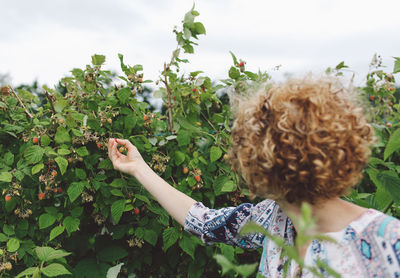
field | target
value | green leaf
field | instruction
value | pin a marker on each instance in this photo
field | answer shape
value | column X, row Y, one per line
column 396, row 68
column 179, row 158
column 123, row 94
column 215, row 153
column 224, row 263
column 151, row 237
column 63, row 151
column 82, row 151
column 77, row 211
column 118, row 183
column 186, row 33
column 105, row 164
column 55, row 270
column 80, row 173
column 3, row 237
column 114, row 271
column 117, row 208
column 393, row 144
column 235, row 61
column 246, row 269
column 183, row 138
column 391, row 183
column 228, row 186
column 142, row 198
column 124, row 68
column 74, row 190
column 219, row 184
column 46, row 220
column 117, row 192
column 13, row 245
column 60, row 105
column 71, row 224
column 36, row 169
column 33, row 154
column 47, row 254
column 8, row 230
column 234, row 73
column 56, row 231
column 62, row 136
column 188, row 245
column 130, row 122
column 8, row 158
column 199, row 28
column 112, row 253
column 62, row 164
column 27, row 272
column 45, row 140
column 170, row 236
column 98, row 60
column 5, row 176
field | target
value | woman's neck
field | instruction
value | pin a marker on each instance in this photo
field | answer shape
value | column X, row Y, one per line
column 330, row 215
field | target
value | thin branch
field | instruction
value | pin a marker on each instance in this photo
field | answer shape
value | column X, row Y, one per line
column 29, row 115
column 131, row 107
column 208, row 121
column 165, row 81
column 388, row 207
column 50, row 98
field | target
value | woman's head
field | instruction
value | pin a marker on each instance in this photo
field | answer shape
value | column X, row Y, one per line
column 301, row 141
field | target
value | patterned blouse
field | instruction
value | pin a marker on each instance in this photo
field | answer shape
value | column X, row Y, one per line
column 368, row 247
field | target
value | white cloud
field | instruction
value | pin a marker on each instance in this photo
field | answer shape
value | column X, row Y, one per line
column 45, row 39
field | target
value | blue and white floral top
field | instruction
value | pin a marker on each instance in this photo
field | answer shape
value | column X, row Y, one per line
column 368, row 246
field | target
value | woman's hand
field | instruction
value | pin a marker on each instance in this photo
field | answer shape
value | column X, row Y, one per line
column 129, row 163
column 172, row 200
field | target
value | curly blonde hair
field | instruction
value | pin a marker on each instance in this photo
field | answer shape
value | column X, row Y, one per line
column 302, row 141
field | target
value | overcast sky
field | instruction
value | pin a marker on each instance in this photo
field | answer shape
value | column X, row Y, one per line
column 45, row 39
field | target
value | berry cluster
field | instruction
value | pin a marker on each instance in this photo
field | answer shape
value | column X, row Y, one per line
column 99, row 219
column 159, row 163
column 135, row 242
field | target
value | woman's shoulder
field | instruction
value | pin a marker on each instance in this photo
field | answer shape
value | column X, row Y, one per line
column 374, row 223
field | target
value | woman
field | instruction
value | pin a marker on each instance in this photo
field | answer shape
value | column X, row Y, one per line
column 302, row 141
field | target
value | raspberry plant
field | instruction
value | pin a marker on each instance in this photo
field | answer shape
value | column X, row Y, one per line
column 60, row 191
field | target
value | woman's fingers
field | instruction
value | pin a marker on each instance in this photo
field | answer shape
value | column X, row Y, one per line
column 126, row 143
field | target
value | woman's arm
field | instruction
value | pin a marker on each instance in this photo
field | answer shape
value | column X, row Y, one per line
column 176, row 203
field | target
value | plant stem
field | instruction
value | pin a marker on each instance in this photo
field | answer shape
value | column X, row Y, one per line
column 170, row 122
column 388, row 206
column 51, row 100
column 29, row 115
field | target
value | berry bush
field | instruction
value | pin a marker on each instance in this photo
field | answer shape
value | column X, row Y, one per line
column 66, row 211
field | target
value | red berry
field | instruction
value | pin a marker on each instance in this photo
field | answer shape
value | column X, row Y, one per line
column 41, row 196
column 7, row 198
column 54, row 173
column 197, row 178
column 388, row 124
column 372, row 97
column 185, row 170
column 174, row 97
column 55, row 190
column 99, row 145
column 194, row 90
column 136, row 211
column 145, row 117
column 35, row 140
column 391, row 89
column 241, row 64
column 59, row 190
column 140, row 80
column 390, row 103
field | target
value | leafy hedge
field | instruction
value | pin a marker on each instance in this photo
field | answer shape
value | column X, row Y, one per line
column 60, row 190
